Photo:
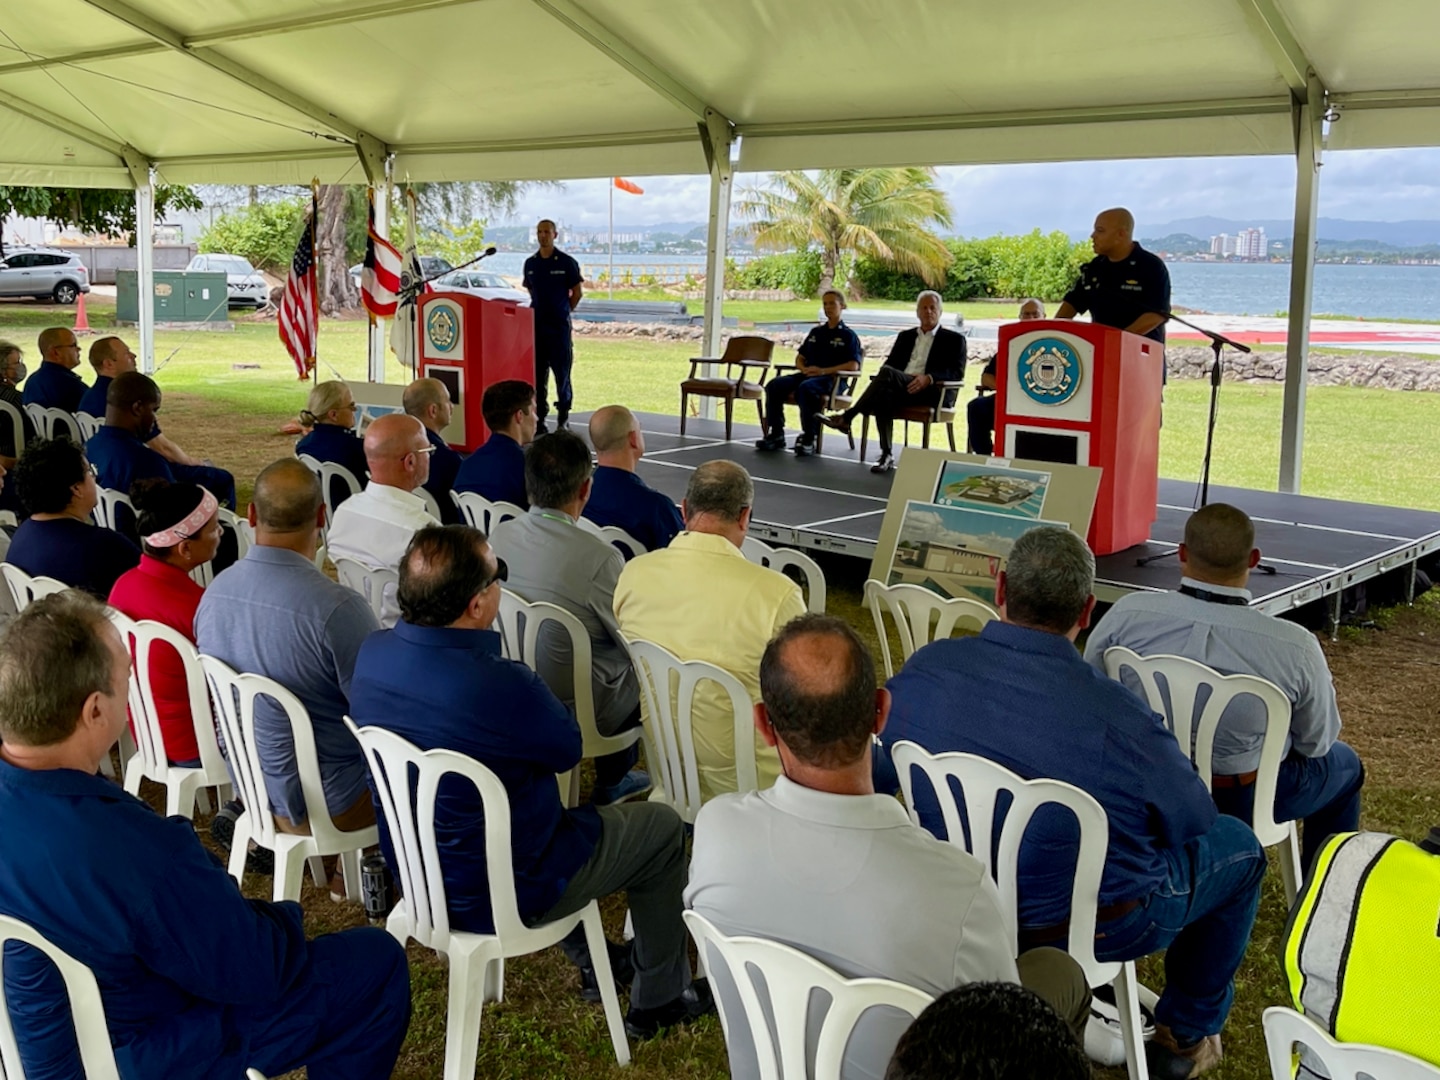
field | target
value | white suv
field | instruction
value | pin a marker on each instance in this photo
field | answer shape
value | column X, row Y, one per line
column 44, row 273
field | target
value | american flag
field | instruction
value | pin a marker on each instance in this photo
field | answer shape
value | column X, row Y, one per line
column 300, row 308
column 380, row 280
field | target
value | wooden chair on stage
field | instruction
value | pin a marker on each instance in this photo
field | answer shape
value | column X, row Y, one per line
column 942, row 412
column 842, row 395
column 747, row 364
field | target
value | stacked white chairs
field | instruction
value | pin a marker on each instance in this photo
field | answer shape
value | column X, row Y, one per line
column 234, row 695
column 407, row 781
column 184, row 786
column 627, row 545
column 782, row 559
column 981, row 783
column 667, row 695
column 88, row 424
column 920, row 615
column 108, row 510
column 369, row 583
column 52, row 423
column 1285, row 1028
column 24, row 588
column 1183, row 678
column 790, row 977
column 521, row 624
column 203, row 574
column 87, row 1011
column 483, row 514
column 328, row 472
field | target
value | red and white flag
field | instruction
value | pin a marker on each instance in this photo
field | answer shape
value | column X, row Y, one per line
column 629, row 185
column 380, row 279
column 299, row 320
column 405, row 330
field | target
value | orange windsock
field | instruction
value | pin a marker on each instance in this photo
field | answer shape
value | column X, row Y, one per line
column 630, row 186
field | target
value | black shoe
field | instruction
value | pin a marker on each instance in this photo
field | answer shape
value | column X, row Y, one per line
column 804, row 446
column 770, row 442
column 222, row 825
column 542, row 428
column 884, row 465
column 837, row 422
column 562, row 421
column 622, row 969
column 694, row 1003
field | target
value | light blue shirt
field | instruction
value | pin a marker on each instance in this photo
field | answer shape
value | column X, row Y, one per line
column 273, row 613
column 1232, row 639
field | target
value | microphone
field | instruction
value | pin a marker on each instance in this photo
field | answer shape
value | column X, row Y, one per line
column 488, row 252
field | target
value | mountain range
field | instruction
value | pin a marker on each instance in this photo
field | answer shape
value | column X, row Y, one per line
column 1400, row 234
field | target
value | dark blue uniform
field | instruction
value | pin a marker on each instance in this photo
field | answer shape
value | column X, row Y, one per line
column 1117, row 293
column 55, row 387
column 496, row 471
column 823, row 347
column 444, row 466
column 549, row 282
column 619, row 497
column 339, row 446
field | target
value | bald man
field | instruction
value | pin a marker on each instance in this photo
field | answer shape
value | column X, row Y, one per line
column 54, row 384
column 110, row 356
column 375, row 527
column 617, row 495
column 1124, row 286
column 428, row 400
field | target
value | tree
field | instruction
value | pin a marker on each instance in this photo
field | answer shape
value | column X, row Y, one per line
column 98, row 211
column 881, row 213
column 337, row 287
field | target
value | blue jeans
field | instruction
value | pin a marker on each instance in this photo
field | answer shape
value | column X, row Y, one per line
column 810, row 393
column 1201, row 916
column 1322, row 793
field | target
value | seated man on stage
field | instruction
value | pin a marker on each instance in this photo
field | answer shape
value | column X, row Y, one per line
column 918, row 360
column 827, row 351
column 980, row 413
column 1210, row 621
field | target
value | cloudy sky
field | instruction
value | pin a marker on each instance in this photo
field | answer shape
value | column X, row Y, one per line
column 1377, row 185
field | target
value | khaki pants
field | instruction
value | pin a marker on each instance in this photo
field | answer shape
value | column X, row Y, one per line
column 1057, row 978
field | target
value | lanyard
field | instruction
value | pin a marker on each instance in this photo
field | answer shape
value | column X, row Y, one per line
column 1214, row 597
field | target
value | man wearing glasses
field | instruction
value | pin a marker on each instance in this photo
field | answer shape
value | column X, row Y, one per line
column 374, row 527
column 54, row 384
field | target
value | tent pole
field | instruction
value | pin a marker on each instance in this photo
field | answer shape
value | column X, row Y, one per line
column 380, row 332
column 145, row 268
column 717, row 136
column 1309, row 141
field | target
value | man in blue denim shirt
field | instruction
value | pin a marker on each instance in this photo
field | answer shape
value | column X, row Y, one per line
column 1177, row 875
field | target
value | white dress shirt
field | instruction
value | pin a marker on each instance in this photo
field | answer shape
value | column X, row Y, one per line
column 921, row 352
column 374, row 528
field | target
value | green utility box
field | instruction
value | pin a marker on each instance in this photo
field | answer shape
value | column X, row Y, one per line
column 183, row 297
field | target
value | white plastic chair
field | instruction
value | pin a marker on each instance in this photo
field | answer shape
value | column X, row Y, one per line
column 88, row 424
column 55, row 422
column 981, row 782
column 920, row 616
column 328, row 471
column 667, row 695
column 1284, row 1028
column 1175, row 701
column 790, row 977
column 234, row 697
column 781, row 559
column 11, row 415
column 107, row 509
column 24, row 588
column 480, row 513
column 521, row 623
column 184, row 787
column 431, row 506
column 407, row 781
column 614, row 534
column 87, row 1011
column 371, row 584
column 204, row 574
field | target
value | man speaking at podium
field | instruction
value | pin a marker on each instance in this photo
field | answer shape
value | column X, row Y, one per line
column 1124, row 286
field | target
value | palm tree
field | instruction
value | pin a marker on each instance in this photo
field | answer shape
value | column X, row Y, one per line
column 881, row 213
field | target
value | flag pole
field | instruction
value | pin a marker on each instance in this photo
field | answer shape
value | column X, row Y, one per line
column 611, row 277
column 315, row 248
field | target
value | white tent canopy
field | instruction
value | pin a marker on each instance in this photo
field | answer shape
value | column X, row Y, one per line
column 101, row 92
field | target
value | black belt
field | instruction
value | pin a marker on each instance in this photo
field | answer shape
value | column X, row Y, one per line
column 1044, row 935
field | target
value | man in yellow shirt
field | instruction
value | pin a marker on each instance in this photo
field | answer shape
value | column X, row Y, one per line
column 703, row 600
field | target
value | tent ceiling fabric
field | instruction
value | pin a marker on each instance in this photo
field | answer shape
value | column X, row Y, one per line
column 277, row 91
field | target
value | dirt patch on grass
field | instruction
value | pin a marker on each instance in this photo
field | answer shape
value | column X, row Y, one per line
column 243, row 442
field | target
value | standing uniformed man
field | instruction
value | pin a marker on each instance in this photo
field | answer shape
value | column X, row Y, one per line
column 553, row 280
column 828, row 350
column 1124, row 286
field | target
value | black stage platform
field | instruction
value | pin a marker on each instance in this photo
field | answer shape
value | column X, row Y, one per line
column 831, row 502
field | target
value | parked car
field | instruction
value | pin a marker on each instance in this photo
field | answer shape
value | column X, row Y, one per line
column 485, row 285
column 243, row 282
column 432, row 266
column 44, row 273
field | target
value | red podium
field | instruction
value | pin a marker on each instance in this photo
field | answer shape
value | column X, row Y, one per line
column 468, row 344
column 1084, row 394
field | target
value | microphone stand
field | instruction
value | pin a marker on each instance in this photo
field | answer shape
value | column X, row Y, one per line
column 408, row 293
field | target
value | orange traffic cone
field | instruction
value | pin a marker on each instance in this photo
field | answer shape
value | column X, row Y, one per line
column 82, row 322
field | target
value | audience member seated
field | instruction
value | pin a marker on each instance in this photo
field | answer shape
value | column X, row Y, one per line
column 330, row 415
column 12, row 373
column 58, row 539
column 119, row 448
column 496, row 471
column 684, row 596
column 918, row 360
column 54, row 384
column 1178, row 876
column 439, row 680
column 428, row 400
column 374, row 527
column 980, row 413
column 273, row 613
column 179, row 530
column 195, row 979
column 988, row 1031
column 1209, row 620
column 551, row 558
column 617, row 495
column 821, row 862
column 827, row 351
column 1361, row 955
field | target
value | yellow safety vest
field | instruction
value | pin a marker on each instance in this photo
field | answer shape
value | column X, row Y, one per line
column 1362, row 947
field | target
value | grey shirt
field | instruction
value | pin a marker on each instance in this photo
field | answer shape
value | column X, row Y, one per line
column 552, row 558
column 1232, row 639
column 849, row 880
column 273, row 613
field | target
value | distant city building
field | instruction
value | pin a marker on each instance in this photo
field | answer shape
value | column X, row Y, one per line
column 1222, row 246
column 1249, row 244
